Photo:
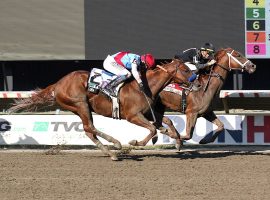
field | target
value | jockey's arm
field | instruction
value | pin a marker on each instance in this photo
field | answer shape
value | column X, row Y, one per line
column 201, row 65
column 135, row 72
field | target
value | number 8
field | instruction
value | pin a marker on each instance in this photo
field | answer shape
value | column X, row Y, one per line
column 256, row 49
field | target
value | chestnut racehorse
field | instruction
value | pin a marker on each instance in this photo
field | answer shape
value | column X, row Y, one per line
column 198, row 103
column 71, row 93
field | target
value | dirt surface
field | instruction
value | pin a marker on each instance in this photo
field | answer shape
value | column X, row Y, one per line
column 233, row 173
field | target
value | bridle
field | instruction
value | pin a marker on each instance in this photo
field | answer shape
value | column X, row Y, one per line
column 217, row 75
column 243, row 65
column 229, row 54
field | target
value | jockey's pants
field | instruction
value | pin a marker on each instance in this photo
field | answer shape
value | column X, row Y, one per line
column 112, row 66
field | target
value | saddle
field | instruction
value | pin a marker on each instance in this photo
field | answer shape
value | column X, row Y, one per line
column 180, row 90
column 97, row 80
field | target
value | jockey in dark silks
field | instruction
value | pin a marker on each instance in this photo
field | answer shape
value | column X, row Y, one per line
column 198, row 59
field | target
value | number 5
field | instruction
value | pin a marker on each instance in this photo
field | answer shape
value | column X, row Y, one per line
column 256, row 13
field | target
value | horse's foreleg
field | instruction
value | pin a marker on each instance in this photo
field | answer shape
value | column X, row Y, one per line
column 140, row 120
column 190, row 125
column 171, row 132
column 211, row 116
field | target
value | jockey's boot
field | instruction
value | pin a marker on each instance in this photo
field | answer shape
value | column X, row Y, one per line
column 110, row 87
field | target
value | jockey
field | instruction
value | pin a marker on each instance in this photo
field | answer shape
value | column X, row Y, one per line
column 125, row 64
column 197, row 59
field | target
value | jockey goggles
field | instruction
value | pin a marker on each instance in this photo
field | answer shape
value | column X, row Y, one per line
column 209, row 50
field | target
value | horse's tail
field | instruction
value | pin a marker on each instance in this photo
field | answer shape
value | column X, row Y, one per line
column 39, row 98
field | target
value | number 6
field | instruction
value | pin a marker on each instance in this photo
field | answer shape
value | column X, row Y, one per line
column 256, row 25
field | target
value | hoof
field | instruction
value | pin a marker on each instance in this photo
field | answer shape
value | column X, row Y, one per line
column 178, row 147
column 118, row 145
column 114, row 158
column 163, row 130
column 179, row 144
column 133, row 142
column 154, row 139
column 203, row 142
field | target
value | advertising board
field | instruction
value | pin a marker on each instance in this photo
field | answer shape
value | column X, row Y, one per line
column 68, row 130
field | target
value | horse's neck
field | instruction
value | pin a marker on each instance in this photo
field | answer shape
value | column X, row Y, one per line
column 157, row 80
column 215, row 83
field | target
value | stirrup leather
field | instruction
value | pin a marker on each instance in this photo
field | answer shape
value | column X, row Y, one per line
column 109, row 90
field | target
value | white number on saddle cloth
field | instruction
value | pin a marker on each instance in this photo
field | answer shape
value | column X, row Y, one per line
column 192, row 67
column 174, row 88
column 99, row 79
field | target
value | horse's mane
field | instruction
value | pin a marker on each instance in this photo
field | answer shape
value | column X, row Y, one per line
column 220, row 53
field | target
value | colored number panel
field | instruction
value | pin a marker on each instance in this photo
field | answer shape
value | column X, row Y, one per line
column 258, row 37
column 255, row 25
column 255, row 13
column 255, row 3
column 256, row 49
column 257, row 29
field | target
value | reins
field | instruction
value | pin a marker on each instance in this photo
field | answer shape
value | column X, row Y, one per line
column 165, row 70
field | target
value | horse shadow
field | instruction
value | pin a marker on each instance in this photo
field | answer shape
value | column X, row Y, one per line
column 196, row 154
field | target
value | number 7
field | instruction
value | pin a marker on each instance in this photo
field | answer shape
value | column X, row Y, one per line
column 256, row 36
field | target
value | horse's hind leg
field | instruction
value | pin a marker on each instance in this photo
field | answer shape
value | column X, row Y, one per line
column 82, row 110
column 109, row 138
column 140, row 120
column 92, row 132
column 103, row 148
column 211, row 116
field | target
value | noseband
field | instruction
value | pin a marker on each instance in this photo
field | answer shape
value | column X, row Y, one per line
column 243, row 65
column 229, row 54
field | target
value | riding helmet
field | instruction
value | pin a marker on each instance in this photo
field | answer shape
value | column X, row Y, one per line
column 148, row 60
column 208, row 47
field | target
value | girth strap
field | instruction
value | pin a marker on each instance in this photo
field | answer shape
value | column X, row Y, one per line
column 184, row 102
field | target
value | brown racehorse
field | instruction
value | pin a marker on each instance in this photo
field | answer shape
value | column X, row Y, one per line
column 71, row 94
column 198, row 104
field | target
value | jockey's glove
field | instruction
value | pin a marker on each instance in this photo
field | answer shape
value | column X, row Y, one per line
column 211, row 62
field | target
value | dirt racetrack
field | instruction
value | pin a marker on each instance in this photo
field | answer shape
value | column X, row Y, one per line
column 193, row 173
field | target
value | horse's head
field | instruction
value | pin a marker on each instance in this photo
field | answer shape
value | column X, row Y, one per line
column 233, row 60
column 178, row 71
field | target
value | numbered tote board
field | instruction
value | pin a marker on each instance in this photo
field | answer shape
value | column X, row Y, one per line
column 257, row 19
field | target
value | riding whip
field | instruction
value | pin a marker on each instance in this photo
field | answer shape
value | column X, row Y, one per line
column 152, row 112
